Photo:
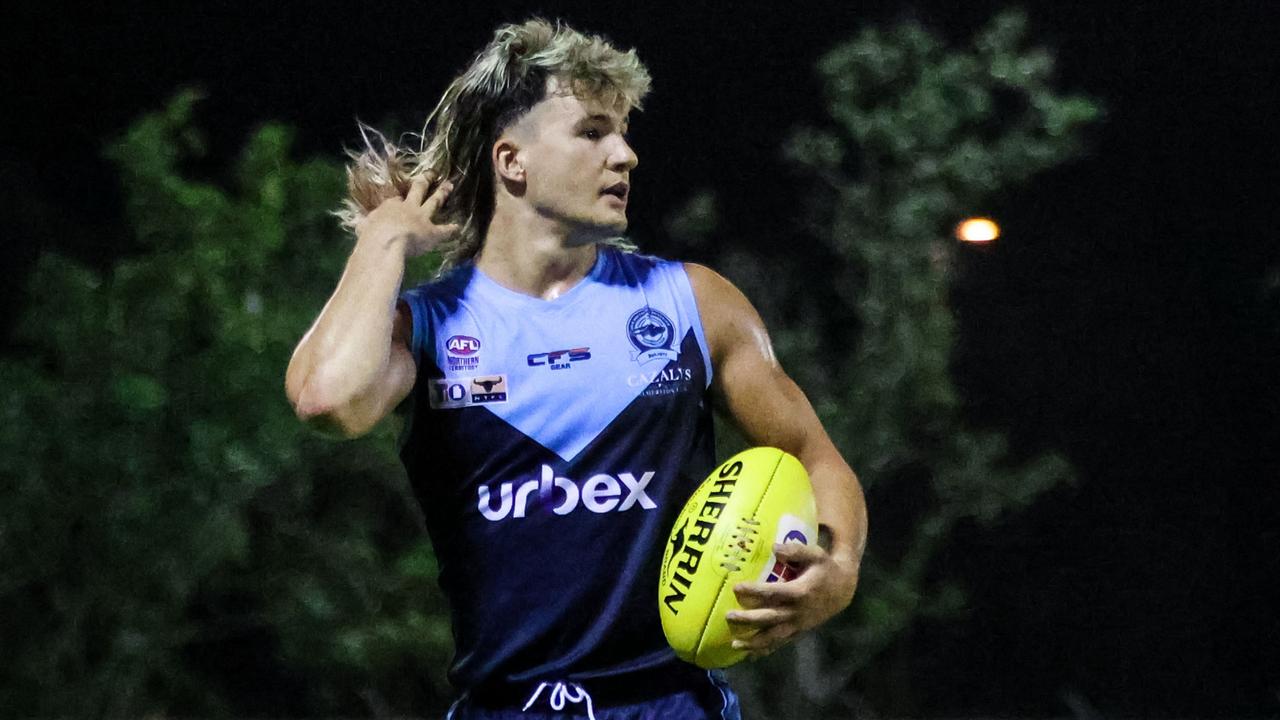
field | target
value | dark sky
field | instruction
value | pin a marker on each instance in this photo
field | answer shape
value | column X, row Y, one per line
column 1130, row 317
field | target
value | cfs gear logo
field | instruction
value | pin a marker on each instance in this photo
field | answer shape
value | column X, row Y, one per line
column 452, row 393
column 651, row 333
column 462, row 351
column 601, row 493
column 559, row 359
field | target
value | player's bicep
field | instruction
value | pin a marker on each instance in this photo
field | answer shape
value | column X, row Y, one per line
column 755, row 393
column 402, row 367
column 402, row 372
column 389, row 390
column 749, row 385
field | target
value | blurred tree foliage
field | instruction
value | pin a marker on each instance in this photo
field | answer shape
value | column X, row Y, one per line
column 173, row 541
column 921, row 135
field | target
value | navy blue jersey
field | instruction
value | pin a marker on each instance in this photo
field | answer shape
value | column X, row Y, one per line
column 551, row 445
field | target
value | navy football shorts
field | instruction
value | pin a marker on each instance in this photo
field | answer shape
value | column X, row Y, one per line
column 564, row 700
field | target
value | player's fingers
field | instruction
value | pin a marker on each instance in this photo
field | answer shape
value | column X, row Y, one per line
column 417, row 190
column 756, row 595
column 766, row 641
column 757, row 619
column 798, row 554
column 437, row 198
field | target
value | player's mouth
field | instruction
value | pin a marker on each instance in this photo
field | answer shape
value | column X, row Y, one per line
column 618, row 190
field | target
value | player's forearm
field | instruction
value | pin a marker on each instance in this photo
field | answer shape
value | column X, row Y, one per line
column 842, row 508
column 347, row 348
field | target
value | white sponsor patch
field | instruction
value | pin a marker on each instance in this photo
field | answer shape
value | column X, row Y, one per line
column 450, row 393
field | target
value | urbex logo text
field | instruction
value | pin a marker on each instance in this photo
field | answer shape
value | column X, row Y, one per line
column 600, row 493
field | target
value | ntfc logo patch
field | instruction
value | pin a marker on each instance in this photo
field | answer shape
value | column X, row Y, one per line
column 491, row 389
column 451, row 393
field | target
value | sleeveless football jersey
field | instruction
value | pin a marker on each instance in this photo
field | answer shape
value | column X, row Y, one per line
column 551, row 445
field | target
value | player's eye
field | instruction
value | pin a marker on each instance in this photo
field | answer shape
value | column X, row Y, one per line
column 591, row 134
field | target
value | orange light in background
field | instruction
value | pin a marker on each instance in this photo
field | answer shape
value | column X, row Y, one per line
column 977, row 230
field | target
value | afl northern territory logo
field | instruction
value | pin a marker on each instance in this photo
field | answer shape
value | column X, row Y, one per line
column 462, row 352
column 462, row 345
column 651, row 334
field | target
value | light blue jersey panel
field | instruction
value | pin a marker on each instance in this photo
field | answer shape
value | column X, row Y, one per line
column 570, row 365
column 551, row 445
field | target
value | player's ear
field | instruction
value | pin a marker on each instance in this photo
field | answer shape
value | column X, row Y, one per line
column 507, row 159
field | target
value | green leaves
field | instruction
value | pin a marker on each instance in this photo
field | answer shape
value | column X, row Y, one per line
column 921, row 135
column 158, row 489
column 139, row 393
column 962, row 121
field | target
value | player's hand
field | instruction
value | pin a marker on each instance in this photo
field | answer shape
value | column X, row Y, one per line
column 412, row 217
column 774, row 613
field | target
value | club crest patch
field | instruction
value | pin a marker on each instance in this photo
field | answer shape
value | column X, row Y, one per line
column 651, row 334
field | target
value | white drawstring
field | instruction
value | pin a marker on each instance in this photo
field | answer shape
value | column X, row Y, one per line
column 559, row 694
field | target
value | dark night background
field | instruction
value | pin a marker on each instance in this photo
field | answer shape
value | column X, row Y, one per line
column 1130, row 315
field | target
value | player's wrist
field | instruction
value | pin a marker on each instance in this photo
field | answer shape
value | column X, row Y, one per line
column 393, row 241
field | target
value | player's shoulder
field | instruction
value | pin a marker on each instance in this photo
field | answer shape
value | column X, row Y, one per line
column 728, row 317
column 713, row 290
column 707, row 284
column 625, row 264
column 701, row 275
column 450, row 285
column 633, row 267
column 425, row 305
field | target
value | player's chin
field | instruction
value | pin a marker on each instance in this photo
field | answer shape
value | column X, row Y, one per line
column 611, row 225
column 613, row 211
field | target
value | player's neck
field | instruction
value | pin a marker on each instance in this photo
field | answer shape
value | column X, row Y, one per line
column 531, row 255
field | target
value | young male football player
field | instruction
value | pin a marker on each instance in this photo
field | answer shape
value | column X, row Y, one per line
column 558, row 389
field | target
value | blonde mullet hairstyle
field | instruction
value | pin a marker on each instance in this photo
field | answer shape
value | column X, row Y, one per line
column 507, row 78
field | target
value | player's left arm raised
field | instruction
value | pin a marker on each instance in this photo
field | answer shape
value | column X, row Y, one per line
column 770, row 409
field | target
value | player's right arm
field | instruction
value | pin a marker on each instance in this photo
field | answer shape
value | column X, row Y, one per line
column 354, row 365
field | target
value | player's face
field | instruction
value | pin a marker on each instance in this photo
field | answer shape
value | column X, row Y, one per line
column 578, row 163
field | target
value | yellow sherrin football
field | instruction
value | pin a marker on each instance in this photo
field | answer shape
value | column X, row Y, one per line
column 725, row 536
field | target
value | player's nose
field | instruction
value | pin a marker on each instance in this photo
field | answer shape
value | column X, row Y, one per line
column 621, row 157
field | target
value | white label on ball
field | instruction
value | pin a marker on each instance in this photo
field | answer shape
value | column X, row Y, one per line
column 790, row 529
